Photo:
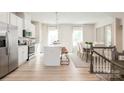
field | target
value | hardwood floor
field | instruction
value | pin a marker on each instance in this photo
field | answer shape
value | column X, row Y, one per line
column 35, row 71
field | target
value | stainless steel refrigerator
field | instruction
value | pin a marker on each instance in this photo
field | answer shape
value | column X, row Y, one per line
column 8, row 48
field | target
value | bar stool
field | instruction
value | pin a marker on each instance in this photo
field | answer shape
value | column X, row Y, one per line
column 64, row 56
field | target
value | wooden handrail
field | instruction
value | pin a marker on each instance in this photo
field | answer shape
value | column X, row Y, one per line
column 103, row 47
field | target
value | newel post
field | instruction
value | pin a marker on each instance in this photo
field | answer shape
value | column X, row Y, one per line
column 91, row 63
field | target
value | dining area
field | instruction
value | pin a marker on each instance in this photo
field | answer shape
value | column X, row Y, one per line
column 84, row 49
column 105, row 61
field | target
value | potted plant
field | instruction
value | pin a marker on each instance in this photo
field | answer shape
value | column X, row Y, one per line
column 88, row 44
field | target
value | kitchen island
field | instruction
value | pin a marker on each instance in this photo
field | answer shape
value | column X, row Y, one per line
column 52, row 55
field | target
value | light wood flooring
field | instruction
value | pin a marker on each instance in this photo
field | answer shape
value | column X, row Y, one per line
column 34, row 70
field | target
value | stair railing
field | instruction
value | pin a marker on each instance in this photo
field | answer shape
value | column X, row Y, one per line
column 102, row 63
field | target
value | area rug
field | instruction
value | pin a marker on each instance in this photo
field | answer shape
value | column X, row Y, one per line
column 78, row 62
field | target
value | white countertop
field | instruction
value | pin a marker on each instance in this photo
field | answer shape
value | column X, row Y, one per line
column 22, row 45
column 54, row 45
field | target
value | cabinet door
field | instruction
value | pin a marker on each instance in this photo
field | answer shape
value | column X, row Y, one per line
column 25, row 53
column 20, row 56
column 20, row 26
column 27, row 24
column 13, row 19
column 32, row 30
column 4, row 17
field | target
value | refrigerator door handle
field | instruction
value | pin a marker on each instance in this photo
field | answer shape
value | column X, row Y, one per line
column 6, row 43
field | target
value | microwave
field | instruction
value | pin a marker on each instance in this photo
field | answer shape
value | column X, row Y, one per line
column 26, row 33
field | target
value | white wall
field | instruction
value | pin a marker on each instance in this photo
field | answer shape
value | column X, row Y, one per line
column 44, row 36
column 123, row 33
column 118, row 29
column 88, row 33
column 117, row 33
column 103, row 22
column 65, row 34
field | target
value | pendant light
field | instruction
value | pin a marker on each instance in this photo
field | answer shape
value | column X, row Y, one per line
column 57, row 25
column 56, row 20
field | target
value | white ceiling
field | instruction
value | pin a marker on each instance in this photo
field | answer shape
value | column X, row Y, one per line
column 73, row 17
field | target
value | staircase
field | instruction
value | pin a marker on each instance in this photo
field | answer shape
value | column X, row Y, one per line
column 103, row 66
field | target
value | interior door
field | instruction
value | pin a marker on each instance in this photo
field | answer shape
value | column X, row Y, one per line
column 13, row 47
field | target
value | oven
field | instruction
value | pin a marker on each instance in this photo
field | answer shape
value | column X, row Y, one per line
column 31, row 51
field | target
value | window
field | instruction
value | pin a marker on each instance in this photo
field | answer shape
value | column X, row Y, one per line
column 77, row 35
column 52, row 35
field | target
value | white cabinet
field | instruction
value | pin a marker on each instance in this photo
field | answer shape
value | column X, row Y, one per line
column 8, row 18
column 32, row 29
column 27, row 20
column 22, row 54
column 25, row 24
column 20, row 26
column 4, row 17
column 13, row 19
